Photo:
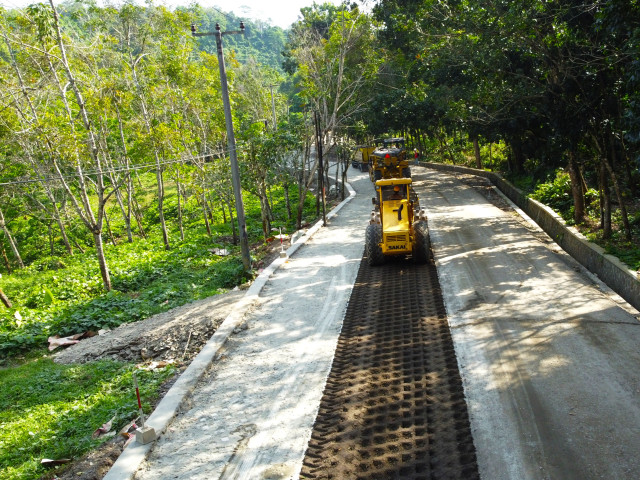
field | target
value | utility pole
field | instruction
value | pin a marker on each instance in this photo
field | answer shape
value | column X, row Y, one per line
column 231, row 140
column 320, row 168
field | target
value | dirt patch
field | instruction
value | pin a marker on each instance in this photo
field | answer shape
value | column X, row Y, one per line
column 177, row 335
column 94, row 465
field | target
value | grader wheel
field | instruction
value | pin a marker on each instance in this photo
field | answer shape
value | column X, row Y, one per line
column 372, row 248
column 422, row 250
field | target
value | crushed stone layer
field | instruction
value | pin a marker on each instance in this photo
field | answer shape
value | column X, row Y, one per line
column 393, row 406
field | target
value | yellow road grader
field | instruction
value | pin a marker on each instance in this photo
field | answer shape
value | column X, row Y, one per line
column 398, row 226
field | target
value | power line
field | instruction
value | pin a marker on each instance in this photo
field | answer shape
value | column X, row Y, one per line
column 120, row 169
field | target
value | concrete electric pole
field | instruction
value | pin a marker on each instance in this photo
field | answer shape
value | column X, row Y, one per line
column 231, row 140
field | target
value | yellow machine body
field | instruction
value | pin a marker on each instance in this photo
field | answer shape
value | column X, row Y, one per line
column 396, row 215
column 389, row 160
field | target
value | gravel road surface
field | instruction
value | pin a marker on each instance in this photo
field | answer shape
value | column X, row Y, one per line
column 251, row 415
column 548, row 361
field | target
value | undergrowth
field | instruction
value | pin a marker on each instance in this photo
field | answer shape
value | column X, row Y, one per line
column 51, row 411
column 556, row 194
column 146, row 279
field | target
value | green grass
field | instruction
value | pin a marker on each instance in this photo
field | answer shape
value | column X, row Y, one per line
column 146, row 279
column 50, row 411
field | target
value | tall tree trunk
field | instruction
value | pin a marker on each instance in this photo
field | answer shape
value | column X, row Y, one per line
column 7, row 263
column 10, row 239
column 180, row 226
column 491, row 155
column 616, row 187
column 576, row 189
column 518, row 156
column 163, row 224
column 126, row 213
column 476, row 149
column 605, row 203
column 52, row 250
column 137, row 213
column 104, row 268
column 93, row 224
column 63, row 230
column 5, row 299
column 233, row 224
column 203, row 204
column 287, row 200
column 109, row 231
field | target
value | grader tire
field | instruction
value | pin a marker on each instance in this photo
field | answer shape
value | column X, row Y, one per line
column 406, row 172
column 377, row 175
column 372, row 248
column 422, row 246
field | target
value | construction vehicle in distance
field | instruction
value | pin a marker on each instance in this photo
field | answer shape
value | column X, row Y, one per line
column 389, row 160
column 398, row 226
column 361, row 157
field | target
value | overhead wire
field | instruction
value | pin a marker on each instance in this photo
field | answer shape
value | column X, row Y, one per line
column 120, row 169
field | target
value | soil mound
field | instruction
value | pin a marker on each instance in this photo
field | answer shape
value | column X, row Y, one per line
column 177, row 335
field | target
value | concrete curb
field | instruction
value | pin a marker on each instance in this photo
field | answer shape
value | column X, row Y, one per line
column 125, row 467
column 620, row 278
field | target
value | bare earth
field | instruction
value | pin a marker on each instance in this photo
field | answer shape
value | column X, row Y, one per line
column 176, row 335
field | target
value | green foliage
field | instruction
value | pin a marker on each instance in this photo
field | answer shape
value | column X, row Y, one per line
column 50, row 411
column 556, row 194
column 147, row 279
column 628, row 252
column 64, row 296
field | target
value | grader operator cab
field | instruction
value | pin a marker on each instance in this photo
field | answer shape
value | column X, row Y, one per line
column 389, row 160
column 398, row 226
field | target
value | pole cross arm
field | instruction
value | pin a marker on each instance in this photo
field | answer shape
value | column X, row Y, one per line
column 217, row 32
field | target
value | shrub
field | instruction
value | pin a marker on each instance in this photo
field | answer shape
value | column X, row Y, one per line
column 556, row 194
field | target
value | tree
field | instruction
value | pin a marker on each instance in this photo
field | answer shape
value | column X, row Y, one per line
column 336, row 60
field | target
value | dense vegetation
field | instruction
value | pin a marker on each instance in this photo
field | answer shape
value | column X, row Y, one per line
column 556, row 83
column 115, row 183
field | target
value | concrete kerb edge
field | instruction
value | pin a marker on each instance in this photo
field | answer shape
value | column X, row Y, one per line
column 125, row 467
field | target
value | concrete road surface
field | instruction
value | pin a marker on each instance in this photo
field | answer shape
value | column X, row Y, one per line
column 550, row 365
